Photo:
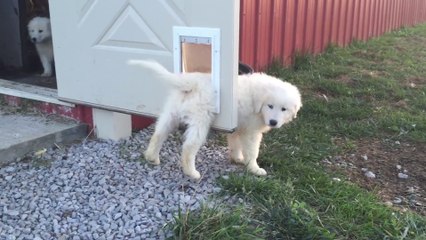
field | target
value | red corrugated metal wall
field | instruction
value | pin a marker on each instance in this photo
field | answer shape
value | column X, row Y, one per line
column 277, row 29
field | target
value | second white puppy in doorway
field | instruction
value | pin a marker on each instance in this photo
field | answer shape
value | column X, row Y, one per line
column 40, row 34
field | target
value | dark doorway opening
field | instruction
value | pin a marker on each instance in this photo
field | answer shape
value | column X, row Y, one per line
column 19, row 61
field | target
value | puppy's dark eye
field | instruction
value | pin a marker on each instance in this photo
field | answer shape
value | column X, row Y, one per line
column 270, row 106
column 283, row 109
column 40, row 31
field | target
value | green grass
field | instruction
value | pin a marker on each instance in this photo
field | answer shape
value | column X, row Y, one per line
column 374, row 89
column 216, row 223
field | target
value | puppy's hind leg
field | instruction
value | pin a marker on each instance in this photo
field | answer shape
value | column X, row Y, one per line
column 235, row 148
column 165, row 124
column 251, row 145
column 45, row 53
column 195, row 136
column 47, row 66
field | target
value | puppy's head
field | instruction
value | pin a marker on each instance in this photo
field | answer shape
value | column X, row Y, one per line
column 281, row 104
column 39, row 29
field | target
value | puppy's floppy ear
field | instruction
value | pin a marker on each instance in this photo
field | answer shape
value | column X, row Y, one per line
column 296, row 109
column 259, row 99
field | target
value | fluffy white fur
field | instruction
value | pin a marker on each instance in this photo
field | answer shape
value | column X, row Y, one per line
column 190, row 102
column 264, row 102
column 40, row 34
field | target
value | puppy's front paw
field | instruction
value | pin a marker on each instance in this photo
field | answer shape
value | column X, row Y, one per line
column 155, row 160
column 238, row 160
column 46, row 74
column 236, row 157
column 257, row 171
column 192, row 174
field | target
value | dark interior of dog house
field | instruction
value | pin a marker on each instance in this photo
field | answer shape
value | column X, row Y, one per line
column 19, row 61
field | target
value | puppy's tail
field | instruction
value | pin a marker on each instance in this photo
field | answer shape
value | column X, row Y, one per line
column 178, row 81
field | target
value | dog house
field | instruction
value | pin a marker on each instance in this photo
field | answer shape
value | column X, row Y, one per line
column 94, row 40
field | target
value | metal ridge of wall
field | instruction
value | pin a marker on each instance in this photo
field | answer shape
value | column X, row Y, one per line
column 277, row 29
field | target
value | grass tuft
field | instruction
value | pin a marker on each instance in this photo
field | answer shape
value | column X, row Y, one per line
column 215, row 222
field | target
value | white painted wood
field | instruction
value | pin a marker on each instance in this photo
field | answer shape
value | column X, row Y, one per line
column 111, row 125
column 94, row 39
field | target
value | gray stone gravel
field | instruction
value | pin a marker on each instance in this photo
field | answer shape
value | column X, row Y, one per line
column 104, row 190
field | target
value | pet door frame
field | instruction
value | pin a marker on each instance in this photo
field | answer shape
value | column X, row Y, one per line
column 197, row 35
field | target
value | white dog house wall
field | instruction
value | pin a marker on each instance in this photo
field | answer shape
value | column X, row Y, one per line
column 93, row 41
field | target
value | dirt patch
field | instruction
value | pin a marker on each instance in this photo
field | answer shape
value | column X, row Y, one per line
column 399, row 170
column 415, row 82
column 345, row 79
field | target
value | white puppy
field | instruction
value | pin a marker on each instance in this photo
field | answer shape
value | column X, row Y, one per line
column 264, row 102
column 190, row 102
column 40, row 35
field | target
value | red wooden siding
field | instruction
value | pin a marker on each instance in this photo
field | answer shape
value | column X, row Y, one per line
column 277, row 29
column 79, row 112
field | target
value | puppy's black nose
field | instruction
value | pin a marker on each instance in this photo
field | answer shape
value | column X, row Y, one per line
column 33, row 40
column 273, row 123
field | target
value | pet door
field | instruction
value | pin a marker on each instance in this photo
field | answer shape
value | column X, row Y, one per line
column 198, row 50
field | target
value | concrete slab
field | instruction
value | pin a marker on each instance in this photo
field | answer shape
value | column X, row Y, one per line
column 21, row 133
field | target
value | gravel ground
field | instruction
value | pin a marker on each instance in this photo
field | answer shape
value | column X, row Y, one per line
column 102, row 190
